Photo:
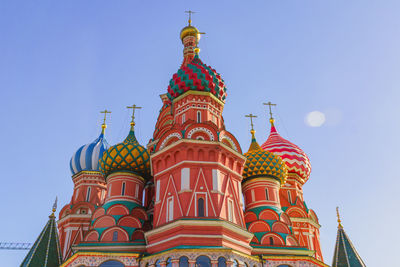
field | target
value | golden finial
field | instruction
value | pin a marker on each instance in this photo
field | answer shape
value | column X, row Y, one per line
column 133, row 107
column 338, row 218
column 104, row 125
column 271, row 119
column 54, row 208
column 190, row 16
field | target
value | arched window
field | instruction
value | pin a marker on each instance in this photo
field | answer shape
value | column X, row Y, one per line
column 111, row 264
column 168, row 263
column 203, row 261
column 235, row 263
column 115, row 236
column 200, row 207
column 157, row 264
column 88, row 194
column 123, row 189
column 183, row 118
column 198, row 116
column 271, row 240
column 221, row 262
column 183, row 261
column 266, row 194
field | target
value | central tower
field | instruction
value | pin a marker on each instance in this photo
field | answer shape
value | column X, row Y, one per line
column 196, row 163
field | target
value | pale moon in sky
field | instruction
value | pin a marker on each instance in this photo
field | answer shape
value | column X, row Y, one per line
column 315, row 119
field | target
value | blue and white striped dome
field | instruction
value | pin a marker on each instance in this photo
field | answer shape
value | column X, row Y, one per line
column 87, row 157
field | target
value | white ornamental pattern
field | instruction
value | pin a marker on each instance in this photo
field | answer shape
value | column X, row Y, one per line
column 201, row 129
column 169, row 137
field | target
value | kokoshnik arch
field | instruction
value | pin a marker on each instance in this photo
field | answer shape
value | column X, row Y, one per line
column 178, row 201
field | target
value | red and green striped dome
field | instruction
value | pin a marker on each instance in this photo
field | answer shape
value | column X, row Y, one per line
column 196, row 76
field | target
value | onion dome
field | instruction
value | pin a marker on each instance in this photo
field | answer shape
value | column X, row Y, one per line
column 190, row 31
column 126, row 156
column 86, row 158
column 295, row 158
column 194, row 74
column 263, row 163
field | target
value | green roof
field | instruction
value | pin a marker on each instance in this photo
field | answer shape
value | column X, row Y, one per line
column 345, row 254
column 46, row 250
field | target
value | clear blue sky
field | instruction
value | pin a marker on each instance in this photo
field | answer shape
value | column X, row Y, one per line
column 61, row 62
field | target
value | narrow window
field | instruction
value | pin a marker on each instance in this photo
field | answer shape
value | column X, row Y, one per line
column 88, row 194
column 200, row 207
column 123, row 189
column 183, row 118
column 158, row 190
column 76, row 194
column 103, row 194
column 230, row 210
column 271, row 241
column 115, row 236
column 266, row 194
column 289, row 197
column 170, row 209
column 198, row 116
column 109, row 190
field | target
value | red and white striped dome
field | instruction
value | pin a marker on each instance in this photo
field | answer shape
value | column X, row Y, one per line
column 295, row 158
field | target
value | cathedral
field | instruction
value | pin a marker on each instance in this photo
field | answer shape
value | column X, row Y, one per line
column 191, row 197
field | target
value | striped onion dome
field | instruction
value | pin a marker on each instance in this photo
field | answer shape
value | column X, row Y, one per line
column 86, row 158
column 261, row 163
column 295, row 158
column 126, row 156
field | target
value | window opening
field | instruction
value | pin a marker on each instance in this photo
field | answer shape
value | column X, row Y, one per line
column 200, row 207
column 115, row 236
column 198, row 116
column 123, row 189
column 88, row 194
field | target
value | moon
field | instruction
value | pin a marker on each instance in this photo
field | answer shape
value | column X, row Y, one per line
column 315, row 119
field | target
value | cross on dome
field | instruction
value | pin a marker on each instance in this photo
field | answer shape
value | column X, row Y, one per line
column 251, row 116
column 190, row 12
column 269, row 104
column 133, row 107
column 104, row 125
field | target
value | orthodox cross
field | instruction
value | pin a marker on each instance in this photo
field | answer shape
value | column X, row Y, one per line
column 251, row 116
column 104, row 126
column 133, row 107
column 190, row 16
column 338, row 218
column 270, row 109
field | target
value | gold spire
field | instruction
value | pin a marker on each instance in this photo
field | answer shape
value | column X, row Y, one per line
column 133, row 107
column 338, row 218
column 104, row 125
column 254, row 145
column 54, row 208
column 271, row 119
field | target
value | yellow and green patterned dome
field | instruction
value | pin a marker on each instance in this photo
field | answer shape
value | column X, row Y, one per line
column 126, row 156
column 263, row 163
